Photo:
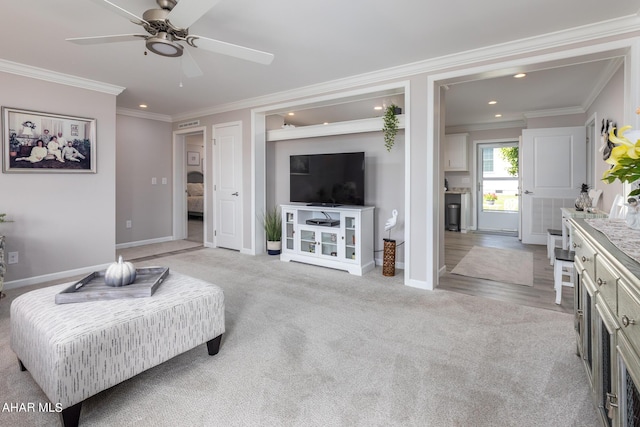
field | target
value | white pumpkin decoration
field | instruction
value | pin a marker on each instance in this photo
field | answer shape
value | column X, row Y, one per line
column 120, row 273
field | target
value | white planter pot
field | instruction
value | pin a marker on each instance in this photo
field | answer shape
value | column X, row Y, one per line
column 274, row 248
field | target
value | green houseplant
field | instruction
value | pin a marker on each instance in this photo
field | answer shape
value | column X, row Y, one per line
column 273, row 228
column 390, row 128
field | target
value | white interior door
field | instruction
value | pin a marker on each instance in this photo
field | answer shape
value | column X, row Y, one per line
column 553, row 167
column 228, row 185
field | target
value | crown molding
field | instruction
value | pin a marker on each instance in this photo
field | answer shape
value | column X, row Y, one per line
column 617, row 27
column 143, row 115
column 554, row 112
column 608, row 73
column 474, row 127
column 55, row 77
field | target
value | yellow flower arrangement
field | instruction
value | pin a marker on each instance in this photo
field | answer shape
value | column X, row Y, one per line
column 625, row 157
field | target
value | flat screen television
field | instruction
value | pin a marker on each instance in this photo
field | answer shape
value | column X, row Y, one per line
column 327, row 179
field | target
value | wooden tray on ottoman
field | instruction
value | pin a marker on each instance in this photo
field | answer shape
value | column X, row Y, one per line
column 93, row 288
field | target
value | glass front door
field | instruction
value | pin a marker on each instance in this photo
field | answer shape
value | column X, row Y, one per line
column 498, row 196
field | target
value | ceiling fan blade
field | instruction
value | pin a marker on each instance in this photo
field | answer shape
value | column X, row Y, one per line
column 186, row 12
column 120, row 11
column 189, row 65
column 107, row 39
column 234, row 50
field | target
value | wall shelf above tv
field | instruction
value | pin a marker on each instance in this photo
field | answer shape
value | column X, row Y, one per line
column 339, row 128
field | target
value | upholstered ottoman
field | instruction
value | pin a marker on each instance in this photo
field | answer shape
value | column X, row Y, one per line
column 74, row 351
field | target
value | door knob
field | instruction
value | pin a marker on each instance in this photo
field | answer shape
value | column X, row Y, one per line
column 234, row 194
column 528, row 192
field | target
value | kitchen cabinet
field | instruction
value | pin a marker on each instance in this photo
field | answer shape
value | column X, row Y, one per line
column 456, row 156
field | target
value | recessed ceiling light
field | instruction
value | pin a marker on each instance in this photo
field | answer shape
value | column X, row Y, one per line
column 519, row 75
column 325, row 123
column 498, row 115
column 292, row 114
column 377, row 107
column 493, row 102
column 143, row 105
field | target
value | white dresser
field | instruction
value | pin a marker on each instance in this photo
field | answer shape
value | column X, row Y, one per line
column 568, row 213
column 607, row 323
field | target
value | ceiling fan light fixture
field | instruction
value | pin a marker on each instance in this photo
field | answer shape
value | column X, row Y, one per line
column 160, row 44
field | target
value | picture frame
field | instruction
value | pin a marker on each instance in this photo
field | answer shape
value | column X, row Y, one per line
column 193, row 158
column 68, row 142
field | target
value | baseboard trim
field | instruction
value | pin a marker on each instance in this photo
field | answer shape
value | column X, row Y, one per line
column 14, row 284
column 399, row 265
column 442, row 270
column 419, row 284
column 144, row 242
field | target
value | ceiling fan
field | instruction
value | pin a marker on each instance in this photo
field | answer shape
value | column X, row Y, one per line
column 169, row 25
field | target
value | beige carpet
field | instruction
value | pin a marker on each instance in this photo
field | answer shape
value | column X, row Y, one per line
column 500, row 265
column 308, row 346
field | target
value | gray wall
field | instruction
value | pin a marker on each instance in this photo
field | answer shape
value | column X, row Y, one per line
column 384, row 176
column 144, row 152
column 62, row 222
column 608, row 105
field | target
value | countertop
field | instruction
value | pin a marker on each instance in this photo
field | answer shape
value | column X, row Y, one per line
column 457, row 190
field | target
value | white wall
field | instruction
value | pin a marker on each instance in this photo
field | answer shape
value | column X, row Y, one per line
column 63, row 222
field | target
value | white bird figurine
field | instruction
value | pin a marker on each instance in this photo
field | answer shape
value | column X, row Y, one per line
column 391, row 222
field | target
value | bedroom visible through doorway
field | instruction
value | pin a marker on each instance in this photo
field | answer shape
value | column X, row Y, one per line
column 194, row 155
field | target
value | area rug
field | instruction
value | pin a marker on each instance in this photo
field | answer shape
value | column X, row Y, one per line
column 500, row 265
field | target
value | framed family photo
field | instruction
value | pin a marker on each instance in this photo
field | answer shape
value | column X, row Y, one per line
column 47, row 143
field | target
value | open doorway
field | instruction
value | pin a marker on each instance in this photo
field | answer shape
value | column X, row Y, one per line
column 189, row 165
column 194, row 155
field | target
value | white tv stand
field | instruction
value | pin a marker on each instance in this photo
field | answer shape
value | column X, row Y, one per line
column 344, row 246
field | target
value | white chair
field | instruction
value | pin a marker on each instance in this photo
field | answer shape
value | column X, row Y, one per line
column 554, row 240
column 563, row 266
column 595, row 197
column 618, row 208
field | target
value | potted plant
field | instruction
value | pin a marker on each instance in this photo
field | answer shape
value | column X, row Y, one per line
column 273, row 228
column 14, row 145
column 491, row 198
column 390, row 128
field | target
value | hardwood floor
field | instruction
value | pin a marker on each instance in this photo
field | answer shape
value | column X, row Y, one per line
column 541, row 294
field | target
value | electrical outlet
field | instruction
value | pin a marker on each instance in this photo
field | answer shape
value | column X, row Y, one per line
column 164, row 181
column 128, row 224
column 13, row 258
column 154, row 180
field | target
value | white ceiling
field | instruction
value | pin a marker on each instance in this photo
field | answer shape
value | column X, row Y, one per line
column 313, row 43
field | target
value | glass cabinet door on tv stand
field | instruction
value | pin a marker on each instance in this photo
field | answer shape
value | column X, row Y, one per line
column 288, row 231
